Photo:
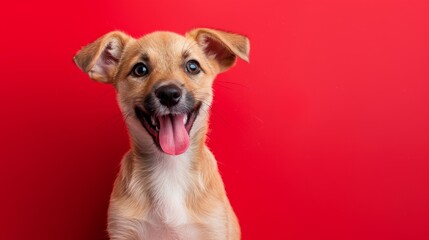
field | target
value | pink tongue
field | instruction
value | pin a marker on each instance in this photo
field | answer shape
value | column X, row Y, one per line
column 173, row 137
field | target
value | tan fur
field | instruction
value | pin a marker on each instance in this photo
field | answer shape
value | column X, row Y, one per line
column 158, row 196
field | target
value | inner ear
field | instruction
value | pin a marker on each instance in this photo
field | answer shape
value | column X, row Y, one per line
column 108, row 59
column 216, row 50
column 112, row 52
column 101, row 58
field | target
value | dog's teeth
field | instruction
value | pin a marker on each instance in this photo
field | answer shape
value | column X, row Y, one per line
column 156, row 128
column 153, row 121
column 185, row 119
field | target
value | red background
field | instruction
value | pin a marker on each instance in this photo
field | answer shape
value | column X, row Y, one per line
column 324, row 135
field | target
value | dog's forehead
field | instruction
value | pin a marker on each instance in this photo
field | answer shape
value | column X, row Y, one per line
column 164, row 44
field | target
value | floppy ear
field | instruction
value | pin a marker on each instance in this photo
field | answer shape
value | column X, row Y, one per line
column 101, row 58
column 221, row 47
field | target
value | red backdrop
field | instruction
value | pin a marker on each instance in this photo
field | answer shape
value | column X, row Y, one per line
column 324, row 135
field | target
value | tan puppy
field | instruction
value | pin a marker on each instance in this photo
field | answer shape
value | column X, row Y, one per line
column 168, row 186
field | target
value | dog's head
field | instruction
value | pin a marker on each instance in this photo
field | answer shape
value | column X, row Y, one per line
column 163, row 81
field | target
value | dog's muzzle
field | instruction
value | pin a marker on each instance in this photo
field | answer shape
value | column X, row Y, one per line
column 168, row 116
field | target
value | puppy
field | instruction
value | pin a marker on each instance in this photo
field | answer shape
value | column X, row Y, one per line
column 168, row 186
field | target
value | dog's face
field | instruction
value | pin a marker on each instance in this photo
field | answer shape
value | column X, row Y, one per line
column 163, row 81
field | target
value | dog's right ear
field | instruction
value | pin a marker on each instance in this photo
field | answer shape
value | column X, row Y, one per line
column 100, row 58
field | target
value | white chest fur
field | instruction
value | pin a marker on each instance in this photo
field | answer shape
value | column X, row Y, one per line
column 169, row 181
column 169, row 184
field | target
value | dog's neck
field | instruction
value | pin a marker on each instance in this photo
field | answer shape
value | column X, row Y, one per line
column 148, row 160
column 166, row 180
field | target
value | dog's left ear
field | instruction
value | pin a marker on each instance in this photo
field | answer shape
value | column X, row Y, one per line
column 100, row 58
column 221, row 47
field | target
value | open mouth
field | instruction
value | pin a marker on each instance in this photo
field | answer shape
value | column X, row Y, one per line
column 170, row 132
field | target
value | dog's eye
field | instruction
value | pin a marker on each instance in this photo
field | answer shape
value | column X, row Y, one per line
column 140, row 70
column 193, row 67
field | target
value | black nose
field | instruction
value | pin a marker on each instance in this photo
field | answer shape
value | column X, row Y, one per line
column 168, row 95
